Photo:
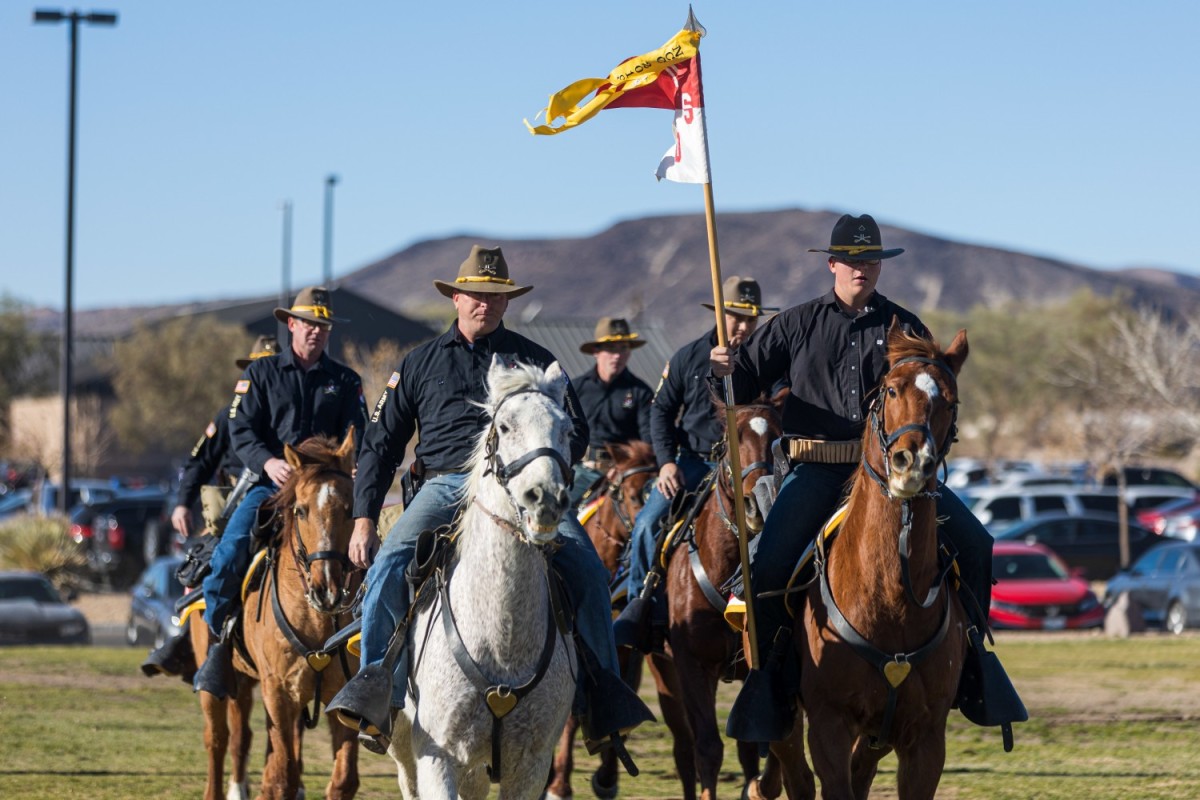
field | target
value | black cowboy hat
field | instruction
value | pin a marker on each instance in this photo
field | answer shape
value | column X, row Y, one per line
column 311, row 305
column 485, row 270
column 263, row 346
column 611, row 330
column 743, row 297
column 857, row 239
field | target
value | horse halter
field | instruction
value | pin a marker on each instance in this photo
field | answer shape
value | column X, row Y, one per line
column 305, row 560
column 886, row 440
column 617, row 492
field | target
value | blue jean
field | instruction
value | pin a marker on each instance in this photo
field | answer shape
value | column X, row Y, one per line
column 808, row 497
column 231, row 559
column 649, row 519
column 385, row 604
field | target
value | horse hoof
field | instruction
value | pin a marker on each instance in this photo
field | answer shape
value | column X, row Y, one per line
column 553, row 796
column 602, row 791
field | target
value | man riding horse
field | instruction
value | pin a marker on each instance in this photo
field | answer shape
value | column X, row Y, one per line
column 834, row 351
column 439, row 388
column 615, row 402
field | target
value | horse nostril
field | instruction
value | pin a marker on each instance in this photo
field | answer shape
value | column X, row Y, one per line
column 532, row 496
column 562, row 497
column 901, row 460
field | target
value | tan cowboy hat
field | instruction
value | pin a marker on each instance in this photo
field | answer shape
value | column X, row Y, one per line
column 311, row 305
column 742, row 297
column 485, row 270
column 611, row 330
column 263, row 346
column 857, row 239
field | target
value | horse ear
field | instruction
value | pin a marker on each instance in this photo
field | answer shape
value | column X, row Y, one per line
column 956, row 354
column 555, row 374
column 895, row 332
column 346, row 449
column 292, row 456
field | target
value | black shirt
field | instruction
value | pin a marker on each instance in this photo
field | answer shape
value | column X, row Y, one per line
column 278, row 402
column 616, row 412
column 212, row 457
column 684, row 388
column 436, row 390
column 833, row 360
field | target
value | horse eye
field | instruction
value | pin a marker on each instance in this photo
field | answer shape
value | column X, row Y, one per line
column 301, row 512
column 891, row 391
column 503, row 428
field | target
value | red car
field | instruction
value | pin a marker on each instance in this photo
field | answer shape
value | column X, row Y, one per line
column 1156, row 518
column 1035, row 591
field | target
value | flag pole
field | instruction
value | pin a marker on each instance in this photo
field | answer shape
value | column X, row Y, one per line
column 732, row 447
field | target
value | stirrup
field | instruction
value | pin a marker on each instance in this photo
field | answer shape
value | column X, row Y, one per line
column 615, row 742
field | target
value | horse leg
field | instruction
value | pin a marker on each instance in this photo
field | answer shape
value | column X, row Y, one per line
column 786, row 769
column 558, row 787
column 864, row 763
column 343, row 783
column 699, row 685
column 280, row 779
column 605, row 779
column 920, row 767
column 238, row 709
column 675, row 716
column 216, row 743
column 435, row 775
column 830, row 743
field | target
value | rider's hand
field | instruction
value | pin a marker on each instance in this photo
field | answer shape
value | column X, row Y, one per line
column 181, row 520
column 670, row 480
column 720, row 361
column 278, row 470
column 364, row 543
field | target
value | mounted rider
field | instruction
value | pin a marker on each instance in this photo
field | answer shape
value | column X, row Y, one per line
column 684, row 428
column 833, row 350
column 615, row 402
column 439, row 388
column 302, row 392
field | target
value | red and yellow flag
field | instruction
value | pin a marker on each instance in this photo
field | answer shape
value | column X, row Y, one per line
column 668, row 78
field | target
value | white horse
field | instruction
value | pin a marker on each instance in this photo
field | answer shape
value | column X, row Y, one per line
column 499, row 714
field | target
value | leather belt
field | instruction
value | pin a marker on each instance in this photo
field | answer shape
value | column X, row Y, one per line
column 819, row 451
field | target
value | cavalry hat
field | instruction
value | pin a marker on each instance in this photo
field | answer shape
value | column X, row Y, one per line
column 857, row 239
column 263, row 346
column 611, row 330
column 311, row 305
column 742, row 297
column 485, row 270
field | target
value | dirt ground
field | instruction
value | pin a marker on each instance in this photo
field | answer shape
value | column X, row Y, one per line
column 102, row 608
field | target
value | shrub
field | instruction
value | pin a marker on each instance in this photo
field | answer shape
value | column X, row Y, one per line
column 41, row 544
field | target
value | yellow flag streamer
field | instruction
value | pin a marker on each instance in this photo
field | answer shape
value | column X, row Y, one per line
column 631, row 74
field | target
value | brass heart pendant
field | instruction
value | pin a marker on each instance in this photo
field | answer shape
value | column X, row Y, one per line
column 501, row 701
column 896, row 672
column 318, row 661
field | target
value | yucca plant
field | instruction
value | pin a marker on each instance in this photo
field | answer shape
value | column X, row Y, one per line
column 41, row 544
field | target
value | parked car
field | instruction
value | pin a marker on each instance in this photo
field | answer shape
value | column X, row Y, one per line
column 1000, row 505
column 1149, row 476
column 83, row 490
column 1156, row 518
column 1085, row 541
column 18, row 501
column 1183, row 525
column 123, row 535
column 1036, row 591
column 1166, row 583
column 33, row 612
column 152, row 615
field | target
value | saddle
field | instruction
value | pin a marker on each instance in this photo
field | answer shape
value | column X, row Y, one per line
column 197, row 558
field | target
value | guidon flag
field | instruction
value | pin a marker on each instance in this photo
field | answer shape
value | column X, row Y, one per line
column 668, row 78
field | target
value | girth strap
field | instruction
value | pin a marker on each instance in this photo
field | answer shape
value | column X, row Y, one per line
column 706, row 585
column 500, row 698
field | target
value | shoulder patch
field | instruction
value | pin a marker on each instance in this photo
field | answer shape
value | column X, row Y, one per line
column 666, row 369
column 242, row 386
column 394, row 381
column 211, row 430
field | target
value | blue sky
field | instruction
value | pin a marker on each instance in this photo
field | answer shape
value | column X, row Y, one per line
column 1067, row 129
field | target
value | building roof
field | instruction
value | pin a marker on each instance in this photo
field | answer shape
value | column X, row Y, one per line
column 562, row 337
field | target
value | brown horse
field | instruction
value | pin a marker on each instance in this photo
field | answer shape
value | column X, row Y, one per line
column 704, row 647
column 882, row 638
column 302, row 597
column 609, row 526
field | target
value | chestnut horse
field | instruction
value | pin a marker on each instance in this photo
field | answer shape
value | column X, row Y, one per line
column 301, row 599
column 883, row 636
column 704, row 647
column 609, row 525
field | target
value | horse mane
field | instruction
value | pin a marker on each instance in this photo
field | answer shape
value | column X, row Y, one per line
column 903, row 344
column 635, row 451
column 319, row 453
column 518, row 377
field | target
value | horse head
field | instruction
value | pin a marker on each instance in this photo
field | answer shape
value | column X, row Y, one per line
column 758, row 425
column 317, row 508
column 526, row 449
column 630, row 479
column 912, row 420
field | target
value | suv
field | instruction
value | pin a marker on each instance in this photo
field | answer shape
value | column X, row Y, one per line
column 123, row 535
column 998, row 506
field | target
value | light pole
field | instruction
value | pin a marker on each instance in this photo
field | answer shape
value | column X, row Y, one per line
column 331, row 180
column 285, row 291
column 47, row 16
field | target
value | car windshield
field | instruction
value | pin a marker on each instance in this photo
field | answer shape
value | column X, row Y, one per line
column 1026, row 567
column 28, row 589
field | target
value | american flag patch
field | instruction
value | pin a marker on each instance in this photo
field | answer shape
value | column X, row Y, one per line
column 242, row 386
column 211, row 430
column 394, row 380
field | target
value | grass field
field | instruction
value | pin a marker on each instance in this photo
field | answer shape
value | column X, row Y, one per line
column 1110, row 719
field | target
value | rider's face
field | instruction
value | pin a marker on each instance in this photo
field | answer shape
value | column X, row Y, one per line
column 479, row 313
column 739, row 328
column 308, row 338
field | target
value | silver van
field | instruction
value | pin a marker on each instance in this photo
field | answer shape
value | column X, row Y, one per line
column 999, row 506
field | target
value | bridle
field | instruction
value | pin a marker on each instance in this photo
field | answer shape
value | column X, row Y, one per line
column 304, row 560
column 617, row 494
column 886, row 440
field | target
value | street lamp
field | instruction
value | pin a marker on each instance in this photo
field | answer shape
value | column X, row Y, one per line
column 331, row 180
column 285, row 290
column 47, row 16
